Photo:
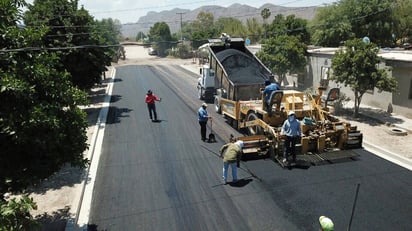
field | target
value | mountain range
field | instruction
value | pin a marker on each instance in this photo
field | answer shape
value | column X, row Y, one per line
column 176, row 16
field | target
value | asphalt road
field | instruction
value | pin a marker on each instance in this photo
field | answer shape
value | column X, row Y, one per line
column 161, row 176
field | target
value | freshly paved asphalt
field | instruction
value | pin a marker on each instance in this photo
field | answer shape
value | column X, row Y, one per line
column 161, row 176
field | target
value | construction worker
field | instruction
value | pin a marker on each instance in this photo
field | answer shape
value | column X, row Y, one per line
column 291, row 129
column 326, row 223
column 269, row 88
column 231, row 153
column 203, row 117
column 151, row 106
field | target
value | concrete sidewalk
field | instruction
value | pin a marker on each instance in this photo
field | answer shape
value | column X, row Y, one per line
column 384, row 117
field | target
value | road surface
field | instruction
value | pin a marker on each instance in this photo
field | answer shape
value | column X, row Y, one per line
column 161, row 176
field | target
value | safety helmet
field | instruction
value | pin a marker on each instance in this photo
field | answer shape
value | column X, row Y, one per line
column 326, row 223
column 267, row 82
column 291, row 113
column 240, row 143
column 204, row 104
column 149, row 92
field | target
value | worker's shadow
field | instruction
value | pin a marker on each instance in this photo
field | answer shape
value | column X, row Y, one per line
column 240, row 183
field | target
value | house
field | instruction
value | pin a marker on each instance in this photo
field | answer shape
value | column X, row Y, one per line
column 399, row 63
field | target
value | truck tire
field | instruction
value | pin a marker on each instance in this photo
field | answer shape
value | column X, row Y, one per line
column 253, row 130
column 200, row 93
column 218, row 109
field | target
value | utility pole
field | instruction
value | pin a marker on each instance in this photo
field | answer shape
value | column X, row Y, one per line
column 181, row 34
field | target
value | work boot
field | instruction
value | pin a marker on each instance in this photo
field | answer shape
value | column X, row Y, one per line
column 224, row 180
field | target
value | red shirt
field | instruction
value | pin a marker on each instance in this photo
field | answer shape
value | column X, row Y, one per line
column 151, row 98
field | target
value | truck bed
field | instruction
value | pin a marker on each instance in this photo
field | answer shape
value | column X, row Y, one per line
column 242, row 68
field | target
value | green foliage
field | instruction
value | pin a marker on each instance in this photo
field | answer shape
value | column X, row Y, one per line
column 283, row 54
column 403, row 21
column 289, row 25
column 265, row 13
column 15, row 215
column 231, row 26
column 350, row 19
column 182, row 51
column 140, row 36
column 159, row 33
column 107, row 31
column 356, row 66
column 68, row 26
column 41, row 126
column 330, row 29
column 254, row 30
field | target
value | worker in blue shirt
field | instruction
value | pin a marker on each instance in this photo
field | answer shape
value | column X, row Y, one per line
column 203, row 117
column 269, row 88
column 291, row 129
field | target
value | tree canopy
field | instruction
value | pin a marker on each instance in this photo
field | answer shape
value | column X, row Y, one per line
column 356, row 66
column 41, row 125
column 159, row 33
column 283, row 54
column 68, row 27
column 350, row 19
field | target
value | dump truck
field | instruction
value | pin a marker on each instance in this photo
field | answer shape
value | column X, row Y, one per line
column 238, row 78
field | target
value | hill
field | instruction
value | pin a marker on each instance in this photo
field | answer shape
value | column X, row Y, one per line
column 173, row 17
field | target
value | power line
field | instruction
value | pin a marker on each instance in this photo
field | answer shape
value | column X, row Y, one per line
column 181, row 32
column 110, row 46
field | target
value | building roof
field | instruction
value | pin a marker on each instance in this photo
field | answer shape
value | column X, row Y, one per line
column 386, row 53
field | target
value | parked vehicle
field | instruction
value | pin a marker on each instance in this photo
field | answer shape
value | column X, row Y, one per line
column 152, row 51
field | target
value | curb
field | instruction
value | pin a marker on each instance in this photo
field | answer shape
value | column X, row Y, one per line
column 388, row 155
column 80, row 220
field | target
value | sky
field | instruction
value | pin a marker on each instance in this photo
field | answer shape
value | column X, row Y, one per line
column 129, row 11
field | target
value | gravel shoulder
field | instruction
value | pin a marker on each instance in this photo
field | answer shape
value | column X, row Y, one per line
column 59, row 195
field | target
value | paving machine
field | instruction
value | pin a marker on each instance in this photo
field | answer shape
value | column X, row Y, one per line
column 239, row 77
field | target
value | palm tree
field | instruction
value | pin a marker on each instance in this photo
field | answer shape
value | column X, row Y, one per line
column 265, row 13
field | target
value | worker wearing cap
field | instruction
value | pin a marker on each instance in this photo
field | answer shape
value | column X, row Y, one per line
column 231, row 153
column 291, row 129
column 151, row 106
column 326, row 224
column 269, row 88
column 203, row 117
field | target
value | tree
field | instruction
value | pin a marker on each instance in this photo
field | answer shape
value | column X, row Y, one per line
column 140, row 36
column 350, row 19
column 41, row 126
column 160, row 34
column 265, row 13
column 283, row 54
column 329, row 29
column 254, row 29
column 403, row 17
column 68, row 27
column 356, row 66
column 231, row 26
column 205, row 22
column 107, row 31
column 202, row 29
column 290, row 25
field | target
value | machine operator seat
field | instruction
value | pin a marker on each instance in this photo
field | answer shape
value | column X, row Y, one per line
column 275, row 99
column 333, row 95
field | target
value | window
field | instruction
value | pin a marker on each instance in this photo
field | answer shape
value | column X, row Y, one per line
column 324, row 78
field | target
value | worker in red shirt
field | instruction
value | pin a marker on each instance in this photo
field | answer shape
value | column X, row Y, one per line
column 151, row 106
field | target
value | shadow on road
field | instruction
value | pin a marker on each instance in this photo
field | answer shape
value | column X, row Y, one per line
column 240, row 183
